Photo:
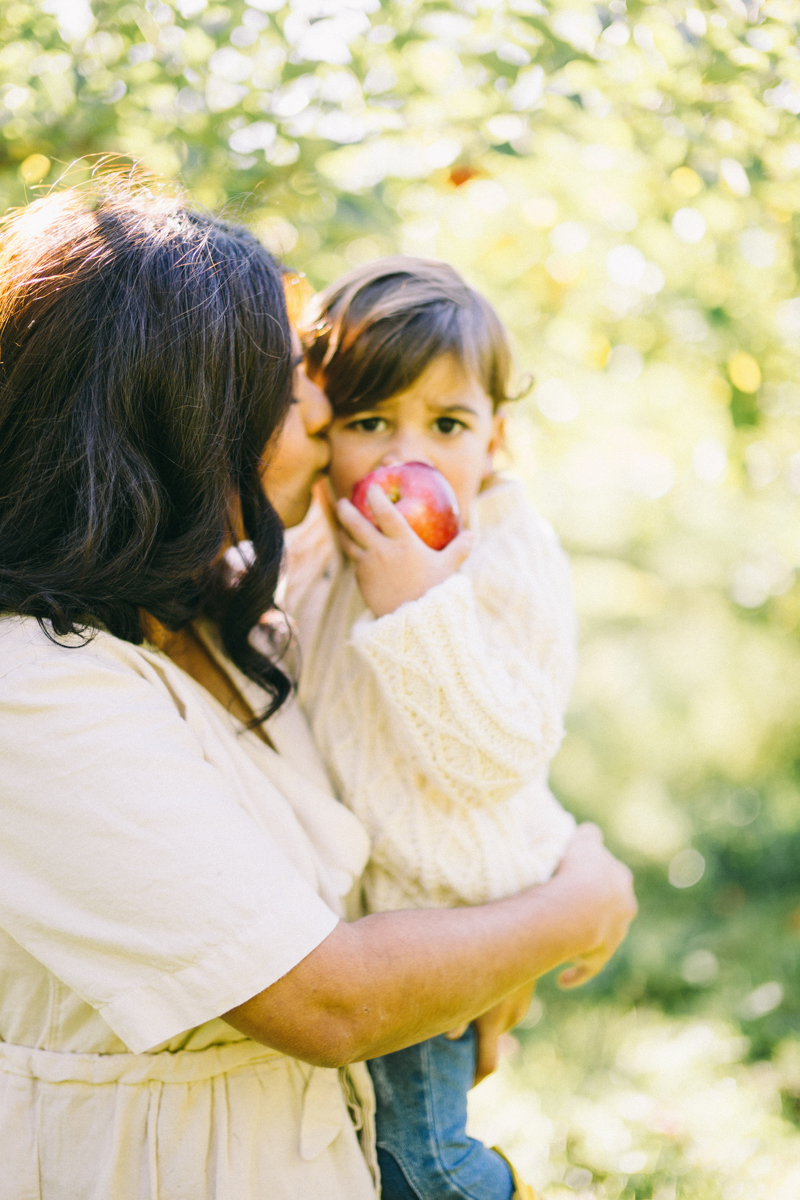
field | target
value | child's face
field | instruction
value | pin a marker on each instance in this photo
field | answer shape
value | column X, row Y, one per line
column 444, row 419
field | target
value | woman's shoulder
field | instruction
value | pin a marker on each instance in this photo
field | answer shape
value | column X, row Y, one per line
column 68, row 702
column 89, row 664
column 24, row 641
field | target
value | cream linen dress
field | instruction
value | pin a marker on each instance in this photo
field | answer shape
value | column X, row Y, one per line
column 158, row 866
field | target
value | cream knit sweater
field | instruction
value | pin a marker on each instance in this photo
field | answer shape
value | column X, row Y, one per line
column 438, row 721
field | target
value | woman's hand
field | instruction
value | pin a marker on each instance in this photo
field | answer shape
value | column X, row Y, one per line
column 599, row 884
column 393, row 565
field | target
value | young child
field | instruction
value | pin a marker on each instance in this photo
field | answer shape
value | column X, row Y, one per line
column 435, row 681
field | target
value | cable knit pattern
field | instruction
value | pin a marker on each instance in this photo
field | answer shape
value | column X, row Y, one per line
column 438, row 721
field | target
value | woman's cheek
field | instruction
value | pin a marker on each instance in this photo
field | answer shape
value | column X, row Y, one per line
column 285, row 467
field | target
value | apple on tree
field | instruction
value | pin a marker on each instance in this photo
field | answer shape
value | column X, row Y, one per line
column 421, row 494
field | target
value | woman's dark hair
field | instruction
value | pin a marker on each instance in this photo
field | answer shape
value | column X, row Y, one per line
column 373, row 332
column 145, row 364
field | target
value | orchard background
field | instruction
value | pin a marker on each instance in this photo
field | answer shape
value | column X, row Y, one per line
column 624, row 183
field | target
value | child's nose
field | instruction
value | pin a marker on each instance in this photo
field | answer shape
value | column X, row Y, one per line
column 405, row 447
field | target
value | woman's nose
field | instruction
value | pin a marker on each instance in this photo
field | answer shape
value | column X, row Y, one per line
column 315, row 410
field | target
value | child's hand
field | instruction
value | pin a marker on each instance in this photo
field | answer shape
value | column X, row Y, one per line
column 393, row 565
column 491, row 1027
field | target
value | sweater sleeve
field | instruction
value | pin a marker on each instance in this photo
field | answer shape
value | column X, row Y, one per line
column 475, row 675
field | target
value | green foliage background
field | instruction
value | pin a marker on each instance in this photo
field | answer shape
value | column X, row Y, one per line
column 624, row 183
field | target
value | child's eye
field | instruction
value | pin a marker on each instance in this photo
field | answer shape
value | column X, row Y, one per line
column 369, row 425
column 448, row 425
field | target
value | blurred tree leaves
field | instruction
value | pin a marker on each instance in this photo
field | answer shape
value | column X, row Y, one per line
column 636, row 167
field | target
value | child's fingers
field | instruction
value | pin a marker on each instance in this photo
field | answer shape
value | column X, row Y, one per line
column 387, row 518
column 488, row 1052
column 457, row 551
column 575, row 976
column 351, row 548
column 359, row 529
column 583, row 970
column 458, row 1032
column 589, row 831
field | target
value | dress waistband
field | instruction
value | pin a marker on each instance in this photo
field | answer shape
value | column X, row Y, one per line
column 182, row 1066
column 327, row 1093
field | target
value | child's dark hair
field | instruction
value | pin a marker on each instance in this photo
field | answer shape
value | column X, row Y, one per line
column 373, row 332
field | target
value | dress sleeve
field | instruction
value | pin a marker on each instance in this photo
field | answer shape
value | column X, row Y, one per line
column 128, row 866
column 476, row 674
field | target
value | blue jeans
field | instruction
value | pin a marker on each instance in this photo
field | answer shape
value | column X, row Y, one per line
column 423, row 1148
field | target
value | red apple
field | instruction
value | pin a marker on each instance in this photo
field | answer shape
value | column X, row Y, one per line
column 421, row 494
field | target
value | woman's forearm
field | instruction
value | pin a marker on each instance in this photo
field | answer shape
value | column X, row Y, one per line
column 395, row 978
column 392, row 979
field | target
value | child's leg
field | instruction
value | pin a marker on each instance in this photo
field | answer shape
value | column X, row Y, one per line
column 423, row 1148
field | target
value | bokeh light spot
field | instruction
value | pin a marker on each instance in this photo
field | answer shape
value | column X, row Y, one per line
column 686, row 868
column 34, row 168
column 744, row 372
column 689, row 225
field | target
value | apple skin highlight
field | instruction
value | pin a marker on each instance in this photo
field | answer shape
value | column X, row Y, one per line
column 421, row 494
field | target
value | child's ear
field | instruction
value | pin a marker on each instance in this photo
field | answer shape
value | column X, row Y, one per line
column 497, row 441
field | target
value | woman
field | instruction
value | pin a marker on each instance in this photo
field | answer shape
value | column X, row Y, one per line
column 179, row 996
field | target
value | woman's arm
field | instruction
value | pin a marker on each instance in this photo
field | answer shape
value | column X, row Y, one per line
column 393, row 979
